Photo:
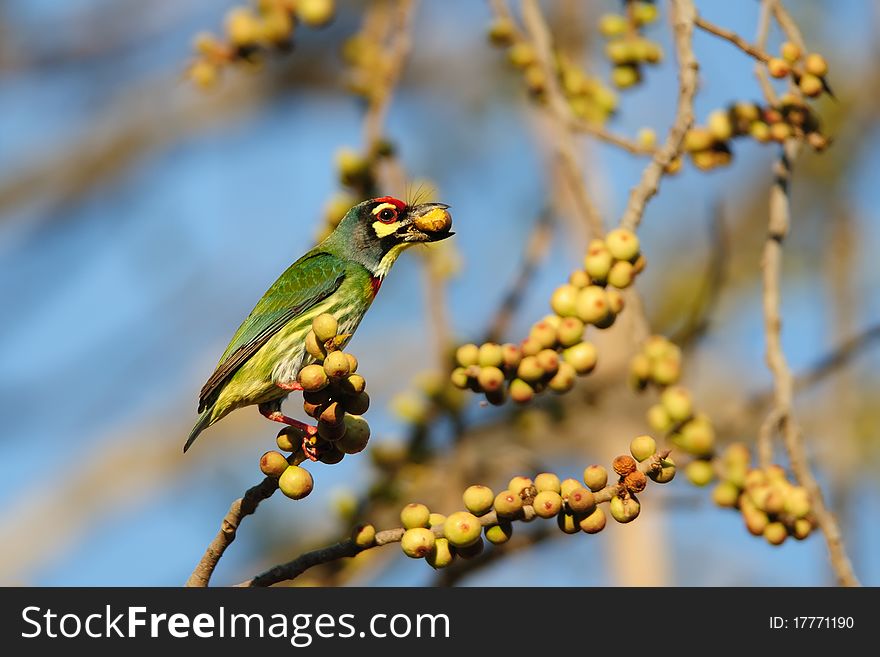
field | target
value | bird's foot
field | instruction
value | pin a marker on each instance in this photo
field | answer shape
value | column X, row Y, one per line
column 272, row 412
column 290, row 385
column 312, row 447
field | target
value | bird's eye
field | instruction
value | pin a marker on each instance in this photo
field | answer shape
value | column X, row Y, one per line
column 387, row 215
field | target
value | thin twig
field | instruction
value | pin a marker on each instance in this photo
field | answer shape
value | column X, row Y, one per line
column 242, row 507
column 732, row 37
column 683, row 15
column 761, row 35
column 348, row 548
column 783, row 382
column 560, row 113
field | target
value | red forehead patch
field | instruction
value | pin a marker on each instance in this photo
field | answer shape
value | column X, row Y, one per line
column 396, row 202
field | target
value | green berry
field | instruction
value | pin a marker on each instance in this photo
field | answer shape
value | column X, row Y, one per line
column 325, row 327
column 666, row 473
column 357, row 434
column 500, row 533
column 313, row 378
column 490, row 379
column 296, row 482
column 284, row 442
column 797, row 501
column 441, row 555
column 332, row 413
column 699, row 472
column 581, row 501
column 775, row 533
column 594, row 522
column 568, row 522
column 364, row 536
column 548, row 361
column 354, row 384
column 519, row 483
column 544, row 333
column 417, row 542
column 436, row 519
column 462, row 529
column 315, row 13
column 415, row 515
column 315, row 350
column 508, row 504
column 460, row 378
column 530, row 370
column 811, row 85
column 520, row 391
column 547, row 481
column 801, row 529
column 568, row 485
column 570, row 331
column 547, row 504
column 698, row 436
column 677, row 402
column 624, row 509
column 358, row 404
column 467, row 355
column 611, row 25
column 582, row 357
column 336, row 365
column 658, row 419
column 595, row 477
column 490, row 355
column 623, row 244
column 475, row 549
column 478, row 499
column 642, row 447
column 622, row 275
column 511, row 355
column 592, row 305
column 563, row 300
column 273, row 464
column 598, row 261
column 725, row 494
column 815, row 64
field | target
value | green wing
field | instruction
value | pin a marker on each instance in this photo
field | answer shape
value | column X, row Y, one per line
column 307, row 282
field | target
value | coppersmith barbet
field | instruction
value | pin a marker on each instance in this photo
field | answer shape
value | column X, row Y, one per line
column 340, row 276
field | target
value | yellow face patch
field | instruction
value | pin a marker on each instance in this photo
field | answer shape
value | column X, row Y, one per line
column 383, row 229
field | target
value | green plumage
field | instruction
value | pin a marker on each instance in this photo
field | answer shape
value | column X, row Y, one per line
column 340, row 276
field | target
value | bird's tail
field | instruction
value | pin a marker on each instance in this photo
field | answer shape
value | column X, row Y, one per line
column 203, row 423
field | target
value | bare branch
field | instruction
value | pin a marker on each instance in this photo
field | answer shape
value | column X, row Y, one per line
column 783, row 382
column 683, row 15
column 733, row 37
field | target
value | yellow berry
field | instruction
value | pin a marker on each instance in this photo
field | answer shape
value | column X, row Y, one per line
column 699, row 472
column 778, row 67
column 315, row 13
column 563, row 300
column 580, row 501
column 296, row 482
column 478, row 499
column 595, row 477
column 547, row 504
column 462, row 529
column 547, row 481
column 500, row 533
column 357, row 434
column 790, row 52
column 325, row 327
column 611, row 25
column 508, row 504
column 467, row 355
column 815, row 64
column 642, row 447
column 417, row 542
column 441, row 555
column 811, row 85
column 273, row 464
column 594, row 522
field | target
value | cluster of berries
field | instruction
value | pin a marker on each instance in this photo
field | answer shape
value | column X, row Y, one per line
column 555, row 352
column 808, row 71
column 709, row 145
column 771, row 505
column 674, row 416
column 334, row 395
column 573, row 504
column 589, row 98
column 627, row 49
column 269, row 24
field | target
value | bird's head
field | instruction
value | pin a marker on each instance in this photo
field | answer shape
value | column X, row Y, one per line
column 376, row 231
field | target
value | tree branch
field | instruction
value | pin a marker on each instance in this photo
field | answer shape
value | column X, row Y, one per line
column 242, row 507
column 683, row 16
column 781, row 415
column 733, row 37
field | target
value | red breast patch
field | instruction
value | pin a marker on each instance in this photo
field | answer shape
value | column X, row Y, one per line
column 376, row 282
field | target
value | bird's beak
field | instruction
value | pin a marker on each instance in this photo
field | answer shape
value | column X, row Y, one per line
column 428, row 222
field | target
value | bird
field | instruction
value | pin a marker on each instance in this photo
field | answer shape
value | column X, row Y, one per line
column 341, row 276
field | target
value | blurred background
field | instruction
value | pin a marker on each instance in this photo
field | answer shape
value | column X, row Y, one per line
column 141, row 219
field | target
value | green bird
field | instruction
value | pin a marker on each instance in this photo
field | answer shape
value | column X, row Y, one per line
column 340, row 276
